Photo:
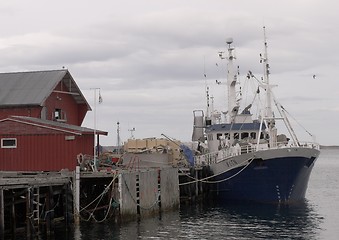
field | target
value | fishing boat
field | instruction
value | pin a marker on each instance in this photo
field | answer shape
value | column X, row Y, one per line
column 249, row 158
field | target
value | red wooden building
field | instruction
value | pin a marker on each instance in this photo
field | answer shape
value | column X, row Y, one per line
column 51, row 95
column 40, row 121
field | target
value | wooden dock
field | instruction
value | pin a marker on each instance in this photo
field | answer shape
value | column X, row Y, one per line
column 29, row 200
column 31, row 203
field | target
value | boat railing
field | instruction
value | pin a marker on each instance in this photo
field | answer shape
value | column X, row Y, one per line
column 309, row 145
column 222, row 154
column 212, row 157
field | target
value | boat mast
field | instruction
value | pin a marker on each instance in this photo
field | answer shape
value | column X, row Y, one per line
column 264, row 59
column 207, row 91
column 233, row 106
column 208, row 108
column 272, row 130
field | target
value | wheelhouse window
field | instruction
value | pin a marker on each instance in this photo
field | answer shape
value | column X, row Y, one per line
column 8, row 143
column 244, row 135
column 227, row 136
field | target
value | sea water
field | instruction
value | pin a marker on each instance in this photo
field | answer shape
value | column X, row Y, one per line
column 316, row 218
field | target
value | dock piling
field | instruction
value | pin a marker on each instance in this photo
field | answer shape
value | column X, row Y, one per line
column 2, row 214
column 76, row 195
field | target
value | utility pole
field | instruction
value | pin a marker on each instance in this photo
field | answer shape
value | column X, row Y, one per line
column 95, row 131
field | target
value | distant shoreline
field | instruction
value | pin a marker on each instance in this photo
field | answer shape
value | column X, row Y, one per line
column 329, row 147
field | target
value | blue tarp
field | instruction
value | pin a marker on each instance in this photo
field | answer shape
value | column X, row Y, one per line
column 188, row 153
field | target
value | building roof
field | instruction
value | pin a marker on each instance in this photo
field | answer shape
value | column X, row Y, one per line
column 63, row 127
column 32, row 88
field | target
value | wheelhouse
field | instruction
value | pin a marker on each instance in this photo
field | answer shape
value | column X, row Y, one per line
column 226, row 135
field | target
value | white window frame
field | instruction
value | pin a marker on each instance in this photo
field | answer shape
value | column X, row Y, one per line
column 4, row 146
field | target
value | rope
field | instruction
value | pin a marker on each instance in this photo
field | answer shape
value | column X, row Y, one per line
column 96, row 206
column 105, row 217
column 222, row 180
column 51, row 210
column 296, row 121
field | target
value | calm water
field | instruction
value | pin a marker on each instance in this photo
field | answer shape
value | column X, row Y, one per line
column 316, row 218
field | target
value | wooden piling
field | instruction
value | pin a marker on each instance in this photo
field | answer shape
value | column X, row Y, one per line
column 2, row 214
column 12, row 215
column 76, row 195
column 29, row 231
column 48, row 211
column 68, row 204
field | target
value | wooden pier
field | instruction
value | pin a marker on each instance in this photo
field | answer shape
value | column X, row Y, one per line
column 29, row 201
column 32, row 203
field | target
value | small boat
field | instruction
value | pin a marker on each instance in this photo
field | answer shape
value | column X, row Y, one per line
column 250, row 160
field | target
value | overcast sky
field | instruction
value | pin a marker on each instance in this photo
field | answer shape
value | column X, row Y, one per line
column 148, row 57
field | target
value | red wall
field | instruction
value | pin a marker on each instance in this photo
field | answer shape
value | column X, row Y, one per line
column 41, row 149
column 82, row 111
column 66, row 103
column 27, row 112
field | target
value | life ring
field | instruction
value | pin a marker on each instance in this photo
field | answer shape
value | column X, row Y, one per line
column 80, row 158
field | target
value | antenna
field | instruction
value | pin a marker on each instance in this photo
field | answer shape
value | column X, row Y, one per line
column 118, row 136
column 132, row 131
column 205, row 69
column 229, row 41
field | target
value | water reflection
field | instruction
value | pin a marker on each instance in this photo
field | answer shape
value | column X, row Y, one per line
column 254, row 221
column 163, row 227
column 231, row 221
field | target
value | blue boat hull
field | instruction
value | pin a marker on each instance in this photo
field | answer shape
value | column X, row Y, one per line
column 275, row 180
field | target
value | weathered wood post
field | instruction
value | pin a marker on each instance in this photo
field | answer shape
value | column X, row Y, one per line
column 29, row 206
column 76, row 196
column 12, row 217
column 68, row 203
column 2, row 214
column 49, row 215
column 196, row 183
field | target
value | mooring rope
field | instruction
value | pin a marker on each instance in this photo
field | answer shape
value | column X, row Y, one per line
column 106, row 215
column 96, row 206
column 222, row 180
column 51, row 210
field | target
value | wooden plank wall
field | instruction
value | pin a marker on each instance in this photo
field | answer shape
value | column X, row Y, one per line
column 145, row 193
column 127, row 200
column 170, row 195
column 149, row 193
